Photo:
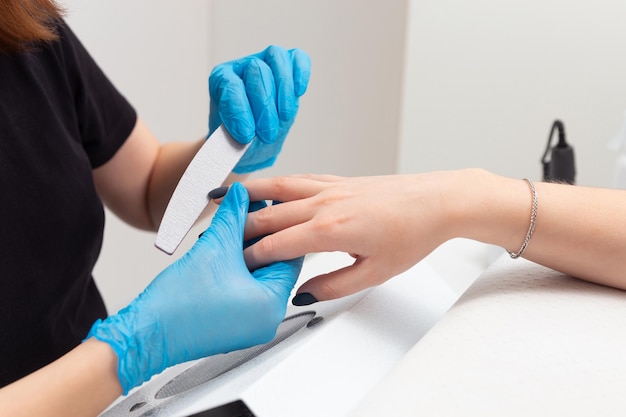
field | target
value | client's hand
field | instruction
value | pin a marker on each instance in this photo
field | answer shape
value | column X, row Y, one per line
column 387, row 224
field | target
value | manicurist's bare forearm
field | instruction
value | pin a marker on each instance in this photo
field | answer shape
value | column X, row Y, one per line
column 579, row 230
column 137, row 183
column 80, row 384
column 170, row 164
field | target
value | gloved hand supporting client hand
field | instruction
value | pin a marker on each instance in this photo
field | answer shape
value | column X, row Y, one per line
column 205, row 303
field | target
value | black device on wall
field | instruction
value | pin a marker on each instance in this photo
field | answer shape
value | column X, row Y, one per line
column 560, row 167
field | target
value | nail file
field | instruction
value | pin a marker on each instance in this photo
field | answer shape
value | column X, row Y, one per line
column 209, row 168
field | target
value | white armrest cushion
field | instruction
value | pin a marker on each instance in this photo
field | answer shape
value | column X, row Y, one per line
column 523, row 340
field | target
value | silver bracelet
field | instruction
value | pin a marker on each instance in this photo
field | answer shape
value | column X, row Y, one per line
column 533, row 219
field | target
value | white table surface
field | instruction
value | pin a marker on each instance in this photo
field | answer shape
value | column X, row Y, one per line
column 522, row 341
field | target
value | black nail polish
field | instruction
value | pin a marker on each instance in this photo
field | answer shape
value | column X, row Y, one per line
column 218, row 193
column 303, row 299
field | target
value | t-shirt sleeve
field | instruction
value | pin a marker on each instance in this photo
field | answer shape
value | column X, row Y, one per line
column 105, row 117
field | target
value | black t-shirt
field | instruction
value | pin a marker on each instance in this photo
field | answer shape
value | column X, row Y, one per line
column 59, row 118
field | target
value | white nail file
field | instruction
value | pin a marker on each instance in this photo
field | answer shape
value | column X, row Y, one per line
column 209, row 168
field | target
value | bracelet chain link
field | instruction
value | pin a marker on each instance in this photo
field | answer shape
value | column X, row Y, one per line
column 533, row 219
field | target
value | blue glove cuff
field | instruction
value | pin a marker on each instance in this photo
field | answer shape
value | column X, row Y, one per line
column 133, row 368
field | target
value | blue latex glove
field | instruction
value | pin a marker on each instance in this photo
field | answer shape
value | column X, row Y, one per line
column 258, row 96
column 205, row 303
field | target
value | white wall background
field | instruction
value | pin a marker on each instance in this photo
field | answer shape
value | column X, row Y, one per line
column 160, row 53
column 486, row 78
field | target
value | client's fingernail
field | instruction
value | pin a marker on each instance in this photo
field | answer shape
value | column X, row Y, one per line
column 303, row 299
column 218, row 193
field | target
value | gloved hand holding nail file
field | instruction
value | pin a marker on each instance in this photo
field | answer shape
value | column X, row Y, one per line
column 254, row 102
column 258, row 97
column 205, row 303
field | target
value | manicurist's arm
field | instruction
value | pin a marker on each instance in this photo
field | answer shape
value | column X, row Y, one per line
column 81, row 383
column 137, row 182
